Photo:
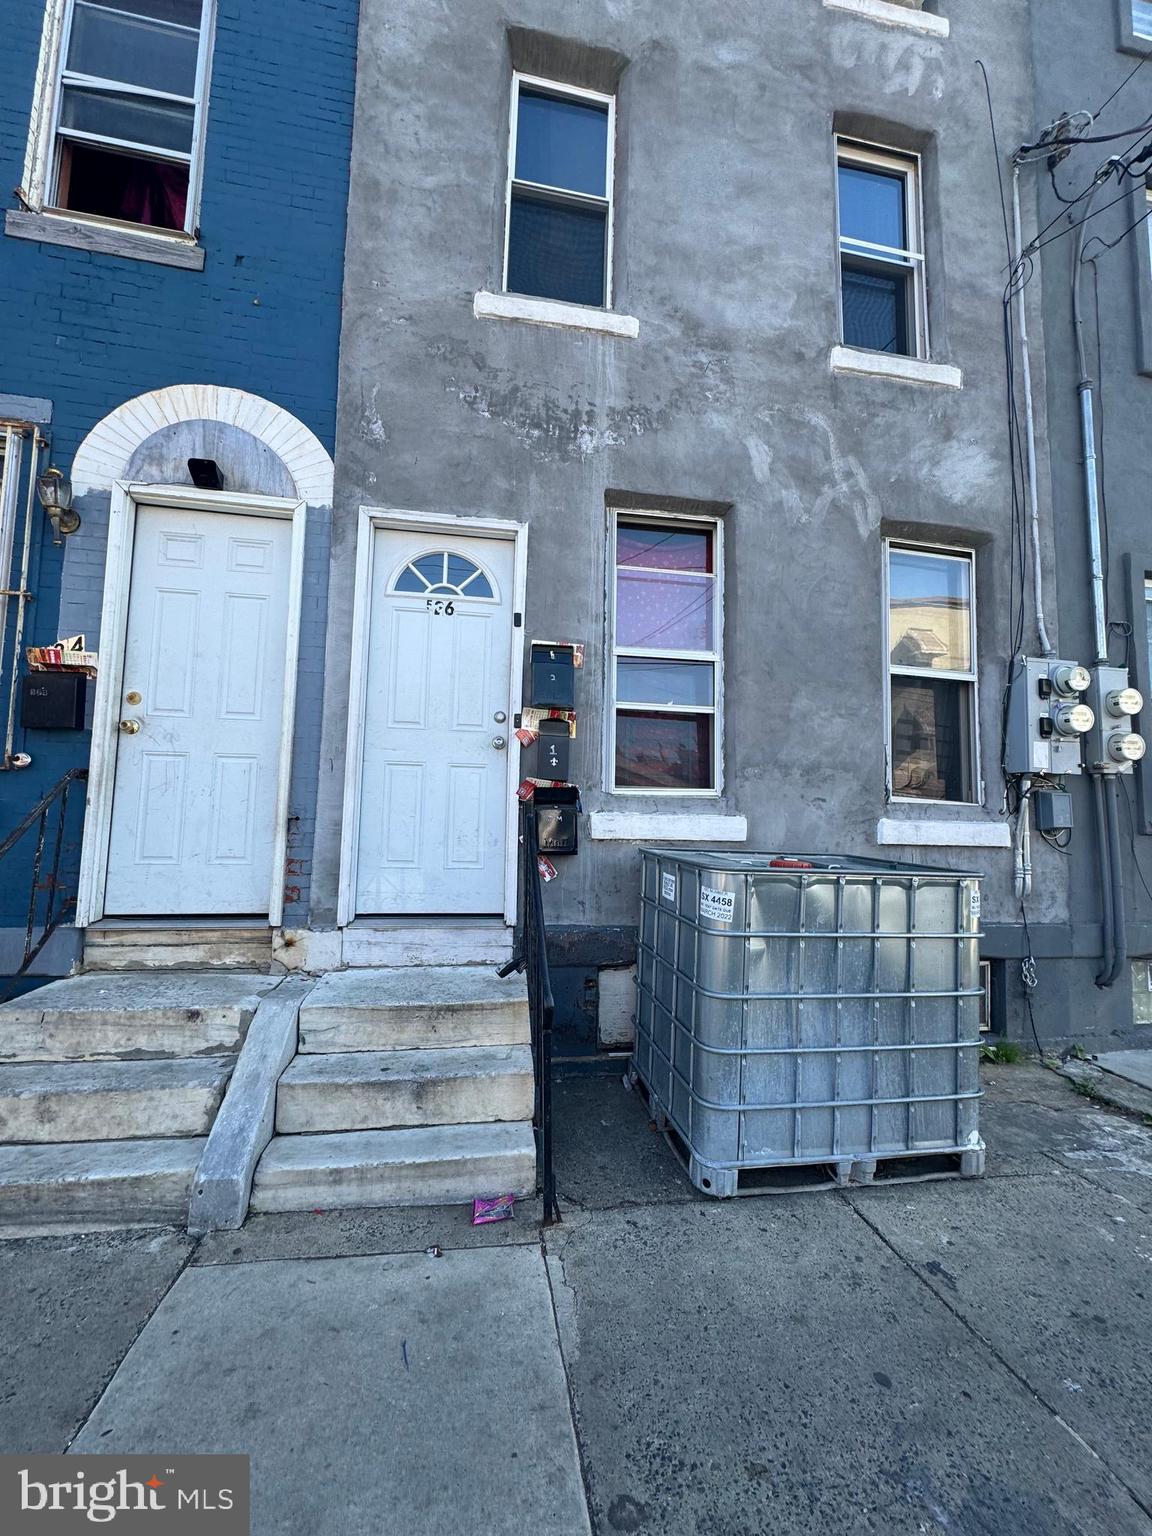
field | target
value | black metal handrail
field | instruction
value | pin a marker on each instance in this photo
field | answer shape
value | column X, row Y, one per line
column 58, row 906
column 530, row 956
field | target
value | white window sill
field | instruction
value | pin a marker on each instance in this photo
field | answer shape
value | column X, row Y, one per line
column 942, row 833
column 894, row 15
column 518, row 306
column 666, row 827
column 90, row 235
column 887, row 365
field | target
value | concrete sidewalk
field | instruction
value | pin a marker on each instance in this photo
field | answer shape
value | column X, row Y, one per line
column 935, row 1359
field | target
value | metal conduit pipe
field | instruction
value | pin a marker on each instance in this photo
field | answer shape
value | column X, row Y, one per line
column 1119, row 921
column 1109, row 926
column 1022, row 849
column 1029, row 431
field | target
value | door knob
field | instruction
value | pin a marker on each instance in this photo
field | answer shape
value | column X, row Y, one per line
column 130, row 727
column 499, row 743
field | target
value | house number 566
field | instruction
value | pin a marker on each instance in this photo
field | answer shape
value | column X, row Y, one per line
column 440, row 608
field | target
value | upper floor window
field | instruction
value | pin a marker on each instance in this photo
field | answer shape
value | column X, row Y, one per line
column 1142, row 18
column 882, row 297
column 127, row 110
column 931, row 648
column 558, row 240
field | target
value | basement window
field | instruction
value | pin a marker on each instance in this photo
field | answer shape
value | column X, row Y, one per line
column 931, row 649
column 665, row 656
column 558, row 235
column 882, row 297
column 125, row 123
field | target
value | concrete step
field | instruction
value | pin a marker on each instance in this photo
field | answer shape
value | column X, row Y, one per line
column 376, row 1090
column 132, row 1014
column 111, row 1100
column 414, row 1009
column 394, row 941
column 194, row 947
column 438, row 1165
column 121, row 1181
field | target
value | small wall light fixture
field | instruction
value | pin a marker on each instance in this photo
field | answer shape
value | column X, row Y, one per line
column 55, row 492
column 206, row 474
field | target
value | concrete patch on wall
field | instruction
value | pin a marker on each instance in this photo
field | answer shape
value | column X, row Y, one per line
column 901, row 66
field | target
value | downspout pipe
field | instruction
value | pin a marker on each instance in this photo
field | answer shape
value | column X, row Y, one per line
column 1108, row 965
column 1119, row 921
column 1029, row 430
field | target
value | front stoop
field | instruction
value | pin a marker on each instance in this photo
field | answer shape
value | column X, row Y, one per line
column 413, row 1086
column 187, row 947
column 109, row 1085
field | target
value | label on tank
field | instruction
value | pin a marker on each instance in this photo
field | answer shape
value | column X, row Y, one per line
column 668, row 887
column 974, row 902
column 720, row 906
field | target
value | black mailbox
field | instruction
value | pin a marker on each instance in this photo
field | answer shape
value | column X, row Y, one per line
column 557, row 819
column 553, row 750
column 553, row 677
column 53, row 701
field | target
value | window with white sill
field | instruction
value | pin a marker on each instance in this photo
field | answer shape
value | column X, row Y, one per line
column 558, row 232
column 122, row 114
column 665, row 655
column 883, row 304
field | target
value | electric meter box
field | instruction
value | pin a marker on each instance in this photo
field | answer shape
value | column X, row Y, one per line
column 1046, row 717
column 1112, row 743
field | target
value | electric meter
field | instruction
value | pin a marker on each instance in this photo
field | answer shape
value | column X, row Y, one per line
column 1072, row 719
column 1126, row 747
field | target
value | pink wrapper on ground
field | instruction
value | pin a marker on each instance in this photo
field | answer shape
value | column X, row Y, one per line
column 499, row 1208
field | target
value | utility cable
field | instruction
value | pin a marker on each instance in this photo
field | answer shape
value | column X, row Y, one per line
column 1132, row 73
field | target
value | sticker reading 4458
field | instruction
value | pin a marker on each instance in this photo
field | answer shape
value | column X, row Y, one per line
column 720, row 906
column 668, row 887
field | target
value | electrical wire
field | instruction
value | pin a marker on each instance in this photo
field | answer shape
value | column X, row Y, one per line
column 1029, row 979
column 1132, row 73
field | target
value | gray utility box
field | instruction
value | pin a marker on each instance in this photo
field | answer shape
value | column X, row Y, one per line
column 798, row 1009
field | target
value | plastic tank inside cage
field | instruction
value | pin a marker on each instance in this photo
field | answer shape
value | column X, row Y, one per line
column 804, row 1009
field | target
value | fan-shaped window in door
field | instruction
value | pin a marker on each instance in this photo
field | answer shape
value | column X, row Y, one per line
column 443, row 574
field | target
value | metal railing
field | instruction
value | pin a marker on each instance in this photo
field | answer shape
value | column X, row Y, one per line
column 39, row 928
column 530, row 956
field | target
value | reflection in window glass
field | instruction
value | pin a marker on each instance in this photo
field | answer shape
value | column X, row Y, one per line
column 562, row 143
column 930, row 623
column 1142, row 18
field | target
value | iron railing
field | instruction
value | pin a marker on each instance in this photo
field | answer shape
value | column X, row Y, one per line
column 530, row 956
column 39, row 928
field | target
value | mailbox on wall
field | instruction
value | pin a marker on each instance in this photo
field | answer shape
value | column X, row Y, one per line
column 553, row 676
column 557, row 819
column 53, row 701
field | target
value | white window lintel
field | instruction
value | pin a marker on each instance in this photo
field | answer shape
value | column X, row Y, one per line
column 894, row 15
column 666, row 827
column 888, row 365
column 942, row 832
column 518, row 306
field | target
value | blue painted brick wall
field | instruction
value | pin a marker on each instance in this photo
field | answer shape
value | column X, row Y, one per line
column 90, row 331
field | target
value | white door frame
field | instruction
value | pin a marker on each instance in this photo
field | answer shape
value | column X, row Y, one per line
column 461, row 526
column 126, row 499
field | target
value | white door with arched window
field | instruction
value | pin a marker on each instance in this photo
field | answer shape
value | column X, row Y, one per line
column 433, row 797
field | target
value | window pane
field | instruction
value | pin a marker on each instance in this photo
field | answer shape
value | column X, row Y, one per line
column 159, row 124
column 875, row 308
column 931, row 739
column 561, row 143
column 664, row 610
column 872, row 206
column 183, row 13
column 557, row 252
column 667, row 549
column 930, row 611
column 663, row 751
column 643, row 681
column 1142, row 17
column 133, row 49
column 119, row 186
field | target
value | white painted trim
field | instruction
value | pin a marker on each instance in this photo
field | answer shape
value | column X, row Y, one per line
column 39, row 149
column 893, row 15
column 942, row 833
column 517, row 306
column 104, row 455
column 887, row 365
column 458, row 525
column 666, row 827
column 110, row 675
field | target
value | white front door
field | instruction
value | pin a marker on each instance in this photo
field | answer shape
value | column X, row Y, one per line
column 434, row 779
column 194, row 804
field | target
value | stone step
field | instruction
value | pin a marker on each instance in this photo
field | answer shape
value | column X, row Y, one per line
column 132, row 1014
column 185, row 948
column 111, row 1100
column 120, row 1181
column 429, row 1165
column 377, row 1090
column 414, row 1009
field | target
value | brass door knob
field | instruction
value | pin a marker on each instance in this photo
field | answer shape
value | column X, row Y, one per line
column 130, row 727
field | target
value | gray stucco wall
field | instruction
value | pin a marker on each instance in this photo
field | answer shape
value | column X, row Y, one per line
column 726, row 253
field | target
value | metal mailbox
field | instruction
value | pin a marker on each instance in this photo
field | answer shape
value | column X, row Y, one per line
column 557, row 819
column 803, row 1009
column 553, row 676
column 53, row 701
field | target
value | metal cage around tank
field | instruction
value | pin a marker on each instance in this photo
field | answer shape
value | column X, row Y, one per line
column 802, row 1009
